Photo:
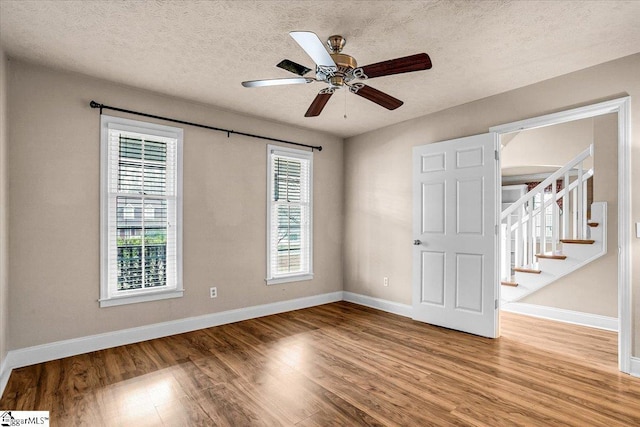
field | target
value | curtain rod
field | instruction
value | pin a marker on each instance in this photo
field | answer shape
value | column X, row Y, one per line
column 94, row 104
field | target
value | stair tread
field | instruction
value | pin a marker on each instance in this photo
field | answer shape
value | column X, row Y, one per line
column 593, row 224
column 527, row 270
column 578, row 241
column 551, row 256
column 506, row 283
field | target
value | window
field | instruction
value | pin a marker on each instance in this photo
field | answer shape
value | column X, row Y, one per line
column 141, row 212
column 548, row 214
column 289, row 215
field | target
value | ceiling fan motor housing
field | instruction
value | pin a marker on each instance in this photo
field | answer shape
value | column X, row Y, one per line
column 344, row 73
column 345, row 64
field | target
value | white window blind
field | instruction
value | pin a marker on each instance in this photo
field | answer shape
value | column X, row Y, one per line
column 140, row 212
column 289, row 215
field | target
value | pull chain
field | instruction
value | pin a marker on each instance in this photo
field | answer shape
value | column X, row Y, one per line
column 345, row 104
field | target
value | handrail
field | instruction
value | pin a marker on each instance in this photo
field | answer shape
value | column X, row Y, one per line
column 550, row 180
column 588, row 174
column 525, row 228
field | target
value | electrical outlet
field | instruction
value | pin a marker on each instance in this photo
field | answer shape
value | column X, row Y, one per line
column 213, row 292
column 386, row 281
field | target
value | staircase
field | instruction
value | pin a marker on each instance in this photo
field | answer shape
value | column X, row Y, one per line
column 540, row 242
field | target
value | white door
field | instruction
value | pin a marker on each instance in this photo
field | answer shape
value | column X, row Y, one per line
column 455, row 217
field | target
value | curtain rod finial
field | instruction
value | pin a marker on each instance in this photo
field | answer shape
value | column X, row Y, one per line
column 94, row 104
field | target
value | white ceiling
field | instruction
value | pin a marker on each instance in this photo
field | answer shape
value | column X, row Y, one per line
column 203, row 50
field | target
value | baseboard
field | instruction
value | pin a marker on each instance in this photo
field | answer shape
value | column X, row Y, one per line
column 57, row 350
column 562, row 315
column 380, row 304
column 635, row 367
column 5, row 373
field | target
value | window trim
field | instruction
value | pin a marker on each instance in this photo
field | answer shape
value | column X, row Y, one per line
column 303, row 155
column 136, row 296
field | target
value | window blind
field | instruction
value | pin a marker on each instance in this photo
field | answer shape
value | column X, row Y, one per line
column 142, row 186
column 290, row 214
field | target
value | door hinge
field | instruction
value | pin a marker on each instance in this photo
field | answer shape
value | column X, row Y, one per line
column 497, row 304
column 497, row 154
column 496, row 229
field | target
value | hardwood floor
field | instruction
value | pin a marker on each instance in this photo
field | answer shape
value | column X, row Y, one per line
column 340, row 364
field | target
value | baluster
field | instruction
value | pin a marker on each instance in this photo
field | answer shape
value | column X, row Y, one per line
column 554, row 218
column 534, row 238
column 526, row 235
column 543, row 224
column 574, row 214
column 504, row 266
column 519, row 240
column 583, row 224
column 508, row 235
column 531, row 228
column 580, row 212
column 565, row 206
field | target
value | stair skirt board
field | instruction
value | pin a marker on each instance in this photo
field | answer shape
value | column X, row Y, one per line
column 553, row 267
column 537, row 281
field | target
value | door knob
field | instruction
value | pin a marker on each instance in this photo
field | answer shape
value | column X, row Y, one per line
column 417, row 242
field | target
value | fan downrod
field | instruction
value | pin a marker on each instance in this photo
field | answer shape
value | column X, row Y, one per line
column 336, row 43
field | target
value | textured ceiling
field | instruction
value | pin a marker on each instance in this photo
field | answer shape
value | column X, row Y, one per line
column 203, row 50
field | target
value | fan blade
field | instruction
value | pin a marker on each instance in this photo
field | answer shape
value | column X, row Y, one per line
column 318, row 104
column 313, row 46
column 380, row 98
column 277, row 82
column 293, row 67
column 407, row 64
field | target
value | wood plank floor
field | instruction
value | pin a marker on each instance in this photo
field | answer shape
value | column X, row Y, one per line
column 340, row 364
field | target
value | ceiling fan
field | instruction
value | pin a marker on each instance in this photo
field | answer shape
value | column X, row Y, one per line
column 339, row 70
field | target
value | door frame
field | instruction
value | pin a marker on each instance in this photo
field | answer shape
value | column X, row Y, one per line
column 621, row 106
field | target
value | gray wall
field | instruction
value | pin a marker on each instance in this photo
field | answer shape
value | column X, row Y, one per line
column 378, row 206
column 54, row 163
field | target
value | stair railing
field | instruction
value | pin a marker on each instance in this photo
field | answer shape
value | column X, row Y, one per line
column 520, row 219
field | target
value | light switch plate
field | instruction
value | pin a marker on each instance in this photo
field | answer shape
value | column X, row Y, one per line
column 638, row 230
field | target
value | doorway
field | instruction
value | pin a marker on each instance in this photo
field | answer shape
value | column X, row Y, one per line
column 599, row 112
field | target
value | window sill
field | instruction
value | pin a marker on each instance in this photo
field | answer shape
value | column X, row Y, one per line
column 286, row 279
column 133, row 299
